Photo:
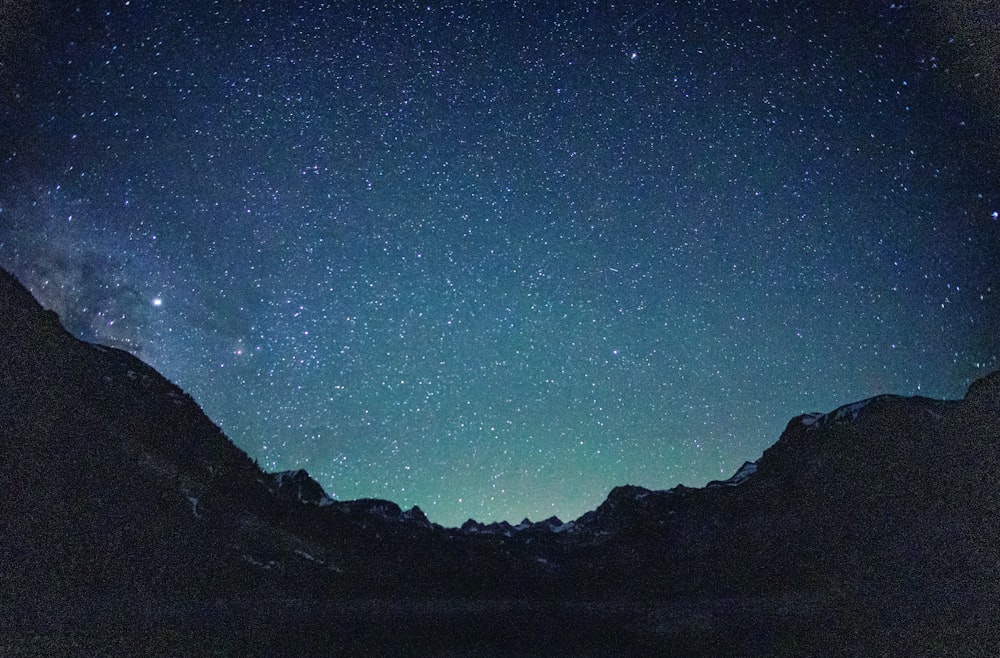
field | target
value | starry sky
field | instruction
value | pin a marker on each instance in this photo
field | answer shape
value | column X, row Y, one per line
column 494, row 259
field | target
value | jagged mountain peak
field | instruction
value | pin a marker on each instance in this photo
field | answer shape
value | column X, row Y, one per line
column 300, row 486
column 985, row 392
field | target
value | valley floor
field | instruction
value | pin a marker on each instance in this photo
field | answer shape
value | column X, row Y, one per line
column 790, row 625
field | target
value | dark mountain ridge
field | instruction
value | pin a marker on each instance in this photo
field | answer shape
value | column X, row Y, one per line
column 130, row 522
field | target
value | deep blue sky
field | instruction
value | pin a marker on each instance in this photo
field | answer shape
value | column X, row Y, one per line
column 495, row 259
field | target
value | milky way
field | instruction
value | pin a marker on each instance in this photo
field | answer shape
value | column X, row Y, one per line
column 494, row 260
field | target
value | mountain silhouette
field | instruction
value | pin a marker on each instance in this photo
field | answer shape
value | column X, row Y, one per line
column 131, row 525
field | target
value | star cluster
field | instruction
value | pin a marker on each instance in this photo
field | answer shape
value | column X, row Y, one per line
column 495, row 259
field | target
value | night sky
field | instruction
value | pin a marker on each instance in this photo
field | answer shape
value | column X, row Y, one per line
column 494, row 259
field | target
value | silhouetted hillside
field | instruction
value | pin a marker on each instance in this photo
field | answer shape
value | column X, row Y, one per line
column 132, row 525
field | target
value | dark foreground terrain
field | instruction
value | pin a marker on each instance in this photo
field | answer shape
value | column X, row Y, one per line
column 132, row 526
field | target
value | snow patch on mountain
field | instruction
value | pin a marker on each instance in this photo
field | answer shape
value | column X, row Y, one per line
column 848, row 413
column 738, row 478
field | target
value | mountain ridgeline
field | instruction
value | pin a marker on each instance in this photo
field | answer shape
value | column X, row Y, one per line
column 132, row 525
